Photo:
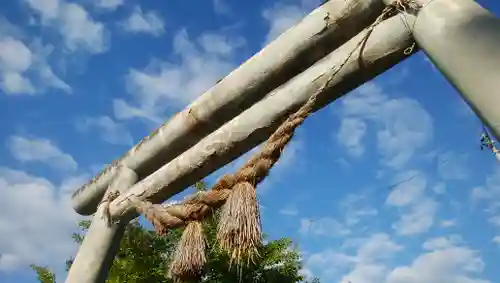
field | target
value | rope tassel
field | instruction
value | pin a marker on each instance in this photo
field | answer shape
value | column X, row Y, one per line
column 189, row 257
column 240, row 232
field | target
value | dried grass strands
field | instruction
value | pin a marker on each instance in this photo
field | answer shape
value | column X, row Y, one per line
column 240, row 230
column 189, row 257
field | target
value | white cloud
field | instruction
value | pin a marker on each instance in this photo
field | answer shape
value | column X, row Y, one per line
column 15, row 59
column 80, row 31
column 356, row 207
column 366, row 265
column 446, row 259
column 479, row 193
column 45, row 74
column 71, row 183
column 493, row 182
column 495, row 220
column 353, row 217
column 74, row 23
column 282, row 16
column 365, row 273
column 496, row 240
column 47, row 77
column 454, row 264
column 14, row 55
column 108, row 129
column 218, row 44
column 490, row 202
column 419, row 219
column 410, row 190
column 377, row 246
column 453, row 166
column 489, row 194
column 442, row 242
column 36, row 221
column 108, row 4
column 15, row 83
column 448, row 223
column 419, row 209
column 48, row 9
column 402, row 133
column 24, row 69
column 351, row 134
column 323, row 226
column 124, row 111
column 40, row 150
column 328, row 263
column 165, row 85
column 399, row 133
column 149, row 22
column 357, row 212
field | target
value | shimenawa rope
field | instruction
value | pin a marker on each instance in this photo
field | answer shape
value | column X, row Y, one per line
column 239, row 230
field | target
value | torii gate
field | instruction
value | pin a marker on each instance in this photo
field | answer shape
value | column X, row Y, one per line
column 311, row 59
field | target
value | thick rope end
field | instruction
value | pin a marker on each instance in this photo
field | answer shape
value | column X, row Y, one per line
column 189, row 257
column 240, row 231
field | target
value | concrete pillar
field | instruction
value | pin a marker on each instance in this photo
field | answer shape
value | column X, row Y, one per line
column 96, row 254
column 463, row 40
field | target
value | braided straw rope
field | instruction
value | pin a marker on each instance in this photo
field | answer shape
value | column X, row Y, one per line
column 239, row 231
column 202, row 204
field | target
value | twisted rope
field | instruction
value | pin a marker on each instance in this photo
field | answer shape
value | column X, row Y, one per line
column 239, row 230
column 202, row 204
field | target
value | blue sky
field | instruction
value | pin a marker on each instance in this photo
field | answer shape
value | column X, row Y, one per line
column 82, row 81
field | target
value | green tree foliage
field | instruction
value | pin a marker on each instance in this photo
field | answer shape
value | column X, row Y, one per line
column 44, row 274
column 143, row 257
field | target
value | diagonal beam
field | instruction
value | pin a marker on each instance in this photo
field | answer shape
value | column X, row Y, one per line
column 322, row 31
column 383, row 49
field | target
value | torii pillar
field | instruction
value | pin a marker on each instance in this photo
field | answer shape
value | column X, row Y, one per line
column 462, row 39
column 102, row 241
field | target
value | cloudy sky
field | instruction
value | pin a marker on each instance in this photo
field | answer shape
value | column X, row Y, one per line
column 82, row 81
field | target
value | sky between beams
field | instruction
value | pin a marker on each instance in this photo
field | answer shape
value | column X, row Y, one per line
column 82, row 81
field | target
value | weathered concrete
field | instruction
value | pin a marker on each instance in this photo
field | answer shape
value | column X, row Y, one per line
column 383, row 50
column 462, row 39
column 96, row 253
column 322, row 31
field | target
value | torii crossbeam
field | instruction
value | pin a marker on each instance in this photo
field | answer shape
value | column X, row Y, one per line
column 262, row 92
